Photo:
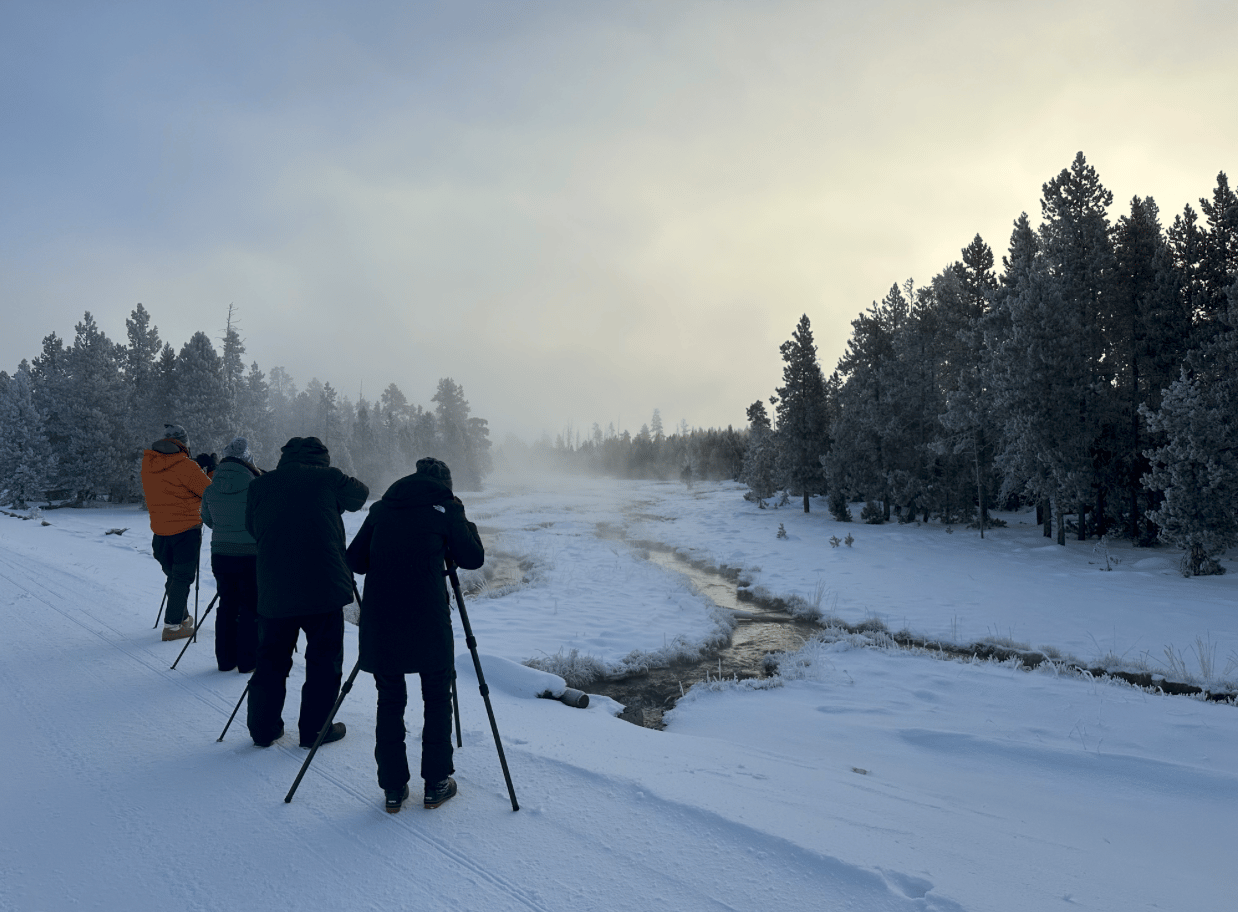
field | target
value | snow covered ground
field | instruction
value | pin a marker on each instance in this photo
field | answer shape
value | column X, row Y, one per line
column 870, row 780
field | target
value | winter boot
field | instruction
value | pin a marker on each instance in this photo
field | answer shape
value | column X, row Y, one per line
column 438, row 792
column 395, row 799
column 335, row 733
column 178, row 631
column 258, row 743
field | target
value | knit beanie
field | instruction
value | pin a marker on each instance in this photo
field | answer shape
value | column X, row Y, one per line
column 238, row 449
column 436, row 469
column 175, row 432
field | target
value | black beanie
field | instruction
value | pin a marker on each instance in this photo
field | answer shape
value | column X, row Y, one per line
column 436, row 469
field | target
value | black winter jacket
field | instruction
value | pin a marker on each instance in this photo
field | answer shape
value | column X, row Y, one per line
column 401, row 548
column 293, row 513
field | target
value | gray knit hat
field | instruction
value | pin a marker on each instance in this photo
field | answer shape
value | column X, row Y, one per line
column 436, row 469
column 175, row 432
column 238, row 449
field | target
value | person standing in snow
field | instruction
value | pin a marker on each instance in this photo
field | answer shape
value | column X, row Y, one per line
column 234, row 559
column 293, row 512
column 402, row 546
column 173, row 484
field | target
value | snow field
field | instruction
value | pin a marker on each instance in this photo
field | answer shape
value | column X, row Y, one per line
column 983, row 787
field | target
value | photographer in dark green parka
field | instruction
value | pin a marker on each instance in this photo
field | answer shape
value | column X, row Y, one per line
column 401, row 548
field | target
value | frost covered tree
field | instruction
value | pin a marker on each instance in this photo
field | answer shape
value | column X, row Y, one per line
column 27, row 462
column 1041, row 381
column 1197, row 468
column 200, row 396
column 233, row 368
column 858, row 461
column 803, row 437
column 92, row 456
column 760, row 466
column 1218, row 260
column 1150, row 336
column 465, row 446
column 140, row 368
column 964, row 295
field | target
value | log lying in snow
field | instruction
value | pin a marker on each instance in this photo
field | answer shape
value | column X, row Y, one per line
column 571, row 696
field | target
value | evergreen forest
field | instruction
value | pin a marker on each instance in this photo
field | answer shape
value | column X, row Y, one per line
column 75, row 420
column 1094, row 375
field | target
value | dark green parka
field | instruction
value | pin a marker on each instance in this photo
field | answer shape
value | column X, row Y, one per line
column 293, row 513
column 401, row 548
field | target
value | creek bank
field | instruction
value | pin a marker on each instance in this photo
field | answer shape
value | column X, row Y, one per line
column 773, row 625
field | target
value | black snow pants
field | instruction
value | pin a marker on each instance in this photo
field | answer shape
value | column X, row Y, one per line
column 324, row 667
column 178, row 556
column 236, row 620
column 389, row 750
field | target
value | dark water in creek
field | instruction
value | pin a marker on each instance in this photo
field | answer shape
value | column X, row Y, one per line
column 759, row 631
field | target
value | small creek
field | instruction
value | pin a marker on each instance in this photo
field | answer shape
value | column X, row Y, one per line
column 759, row 631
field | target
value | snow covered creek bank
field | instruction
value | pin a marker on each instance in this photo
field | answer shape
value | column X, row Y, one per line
column 768, row 628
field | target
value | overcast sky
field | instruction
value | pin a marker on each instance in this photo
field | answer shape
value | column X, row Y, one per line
column 580, row 211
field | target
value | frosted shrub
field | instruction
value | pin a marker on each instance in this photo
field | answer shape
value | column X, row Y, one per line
column 575, row 668
column 872, row 514
column 838, row 506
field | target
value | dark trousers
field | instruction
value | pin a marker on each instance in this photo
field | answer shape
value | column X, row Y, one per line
column 178, row 556
column 236, row 621
column 435, row 733
column 324, row 666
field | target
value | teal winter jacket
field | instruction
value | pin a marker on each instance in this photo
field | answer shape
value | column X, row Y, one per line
column 223, row 508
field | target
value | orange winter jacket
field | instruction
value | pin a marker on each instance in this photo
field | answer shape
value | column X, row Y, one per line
column 173, row 485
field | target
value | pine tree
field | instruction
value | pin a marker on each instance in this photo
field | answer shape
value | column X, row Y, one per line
column 858, row 461
column 49, row 378
column 200, row 397
column 802, row 435
column 140, row 367
column 233, row 368
column 1042, row 385
column 1078, row 253
column 27, row 462
column 965, row 295
column 1218, row 263
column 464, row 446
column 93, row 458
column 1151, row 335
column 254, row 417
column 1197, row 468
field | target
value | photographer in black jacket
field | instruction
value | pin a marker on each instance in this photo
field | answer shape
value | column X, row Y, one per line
column 406, row 620
column 293, row 513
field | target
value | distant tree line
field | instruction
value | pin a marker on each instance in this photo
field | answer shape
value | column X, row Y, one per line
column 75, row 420
column 1095, row 376
column 685, row 454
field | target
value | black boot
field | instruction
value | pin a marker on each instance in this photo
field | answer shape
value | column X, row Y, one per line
column 438, row 792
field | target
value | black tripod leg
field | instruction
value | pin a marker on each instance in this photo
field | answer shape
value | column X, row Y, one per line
column 326, row 727
column 455, row 706
column 194, row 638
column 481, row 681
column 234, row 711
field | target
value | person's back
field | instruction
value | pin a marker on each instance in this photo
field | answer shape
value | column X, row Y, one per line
column 406, row 621
column 172, row 485
column 406, row 618
column 293, row 513
column 234, row 558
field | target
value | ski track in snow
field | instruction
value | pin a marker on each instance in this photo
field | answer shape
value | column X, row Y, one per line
column 151, row 804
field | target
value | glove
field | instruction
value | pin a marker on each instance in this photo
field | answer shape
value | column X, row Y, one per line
column 207, row 461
